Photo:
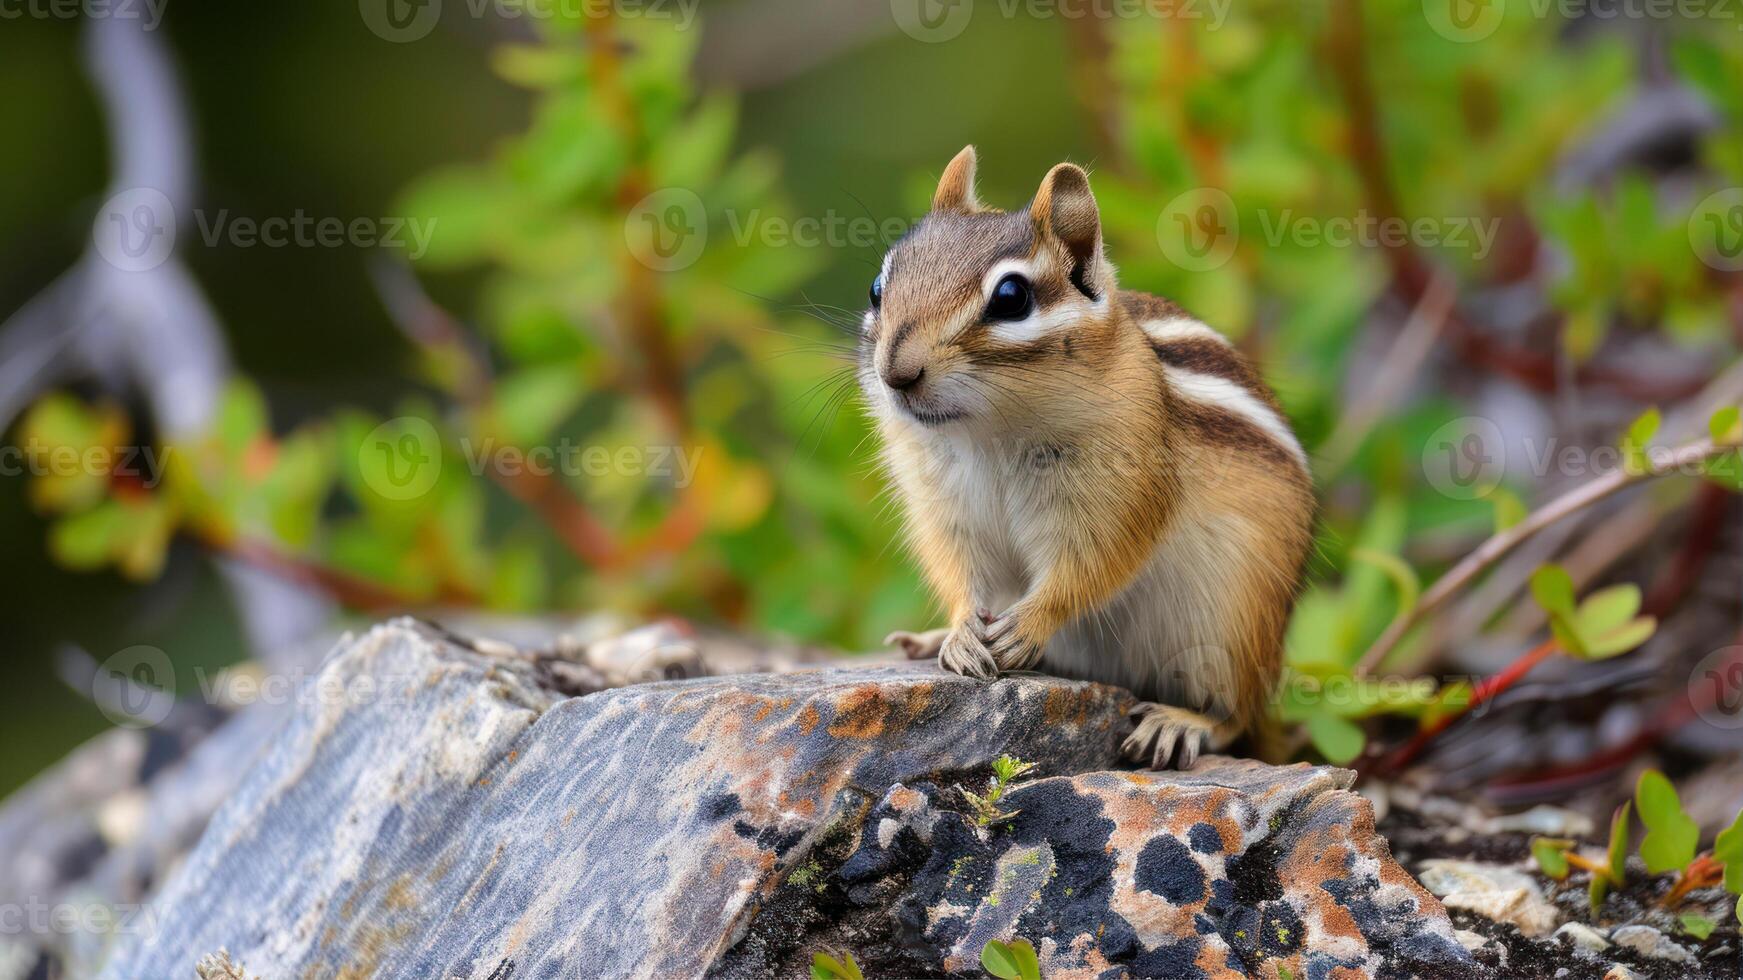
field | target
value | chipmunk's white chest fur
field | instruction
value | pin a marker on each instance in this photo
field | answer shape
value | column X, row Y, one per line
column 1161, row 636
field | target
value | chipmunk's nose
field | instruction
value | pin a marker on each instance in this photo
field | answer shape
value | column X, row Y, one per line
column 904, row 378
column 904, row 361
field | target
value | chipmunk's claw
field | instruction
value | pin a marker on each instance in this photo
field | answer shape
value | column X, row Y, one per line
column 965, row 652
column 918, row 646
column 1166, row 734
column 1011, row 650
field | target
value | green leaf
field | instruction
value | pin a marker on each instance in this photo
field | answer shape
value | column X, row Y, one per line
column 1000, row 960
column 1403, row 577
column 1635, row 441
column 1618, row 854
column 1620, row 640
column 1015, row 960
column 1607, row 609
column 1724, row 424
column 1509, row 509
column 1698, row 926
column 1339, row 740
column 1728, row 850
column 1670, row 835
column 1553, row 588
column 826, row 967
column 1551, row 856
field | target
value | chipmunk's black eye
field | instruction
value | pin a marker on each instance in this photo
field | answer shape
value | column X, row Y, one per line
column 1012, row 299
column 877, row 292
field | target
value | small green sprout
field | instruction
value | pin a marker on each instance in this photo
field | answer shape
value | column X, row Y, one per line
column 827, row 967
column 1600, row 626
column 1698, row 926
column 1015, row 960
column 1671, row 837
column 1615, row 872
column 1635, row 440
column 1007, row 769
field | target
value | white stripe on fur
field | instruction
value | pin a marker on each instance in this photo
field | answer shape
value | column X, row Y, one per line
column 1181, row 328
column 1208, row 389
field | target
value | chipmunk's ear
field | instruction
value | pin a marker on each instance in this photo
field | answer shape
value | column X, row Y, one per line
column 956, row 188
column 1065, row 211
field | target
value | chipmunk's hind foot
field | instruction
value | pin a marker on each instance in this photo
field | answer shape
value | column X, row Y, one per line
column 918, row 646
column 1168, row 735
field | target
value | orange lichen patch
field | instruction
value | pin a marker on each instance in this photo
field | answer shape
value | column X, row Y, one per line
column 1213, row 959
column 860, row 713
column 809, row 719
column 1310, row 865
column 1064, row 705
column 919, row 697
column 400, row 896
column 905, row 799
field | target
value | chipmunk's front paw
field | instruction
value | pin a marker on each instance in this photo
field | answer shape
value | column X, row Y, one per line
column 1013, row 648
column 965, row 652
column 918, row 646
column 1166, row 733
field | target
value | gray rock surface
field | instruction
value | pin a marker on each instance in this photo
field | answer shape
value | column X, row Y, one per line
column 441, row 812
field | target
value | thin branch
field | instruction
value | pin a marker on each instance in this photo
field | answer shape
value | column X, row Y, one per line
column 1684, row 457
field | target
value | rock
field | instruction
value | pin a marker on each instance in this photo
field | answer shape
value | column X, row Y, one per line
column 1500, row 894
column 1583, row 937
column 454, row 816
column 1226, row 868
column 1620, row 972
column 1649, row 942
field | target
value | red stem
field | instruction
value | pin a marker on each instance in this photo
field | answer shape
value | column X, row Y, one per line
column 1485, row 691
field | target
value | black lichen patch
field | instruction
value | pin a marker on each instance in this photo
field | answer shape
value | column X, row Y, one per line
column 718, row 806
column 1205, row 838
column 768, row 837
column 1167, row 868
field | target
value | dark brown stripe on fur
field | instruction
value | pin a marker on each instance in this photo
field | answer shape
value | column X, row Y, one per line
column 1217, row 427
column 1215, row 358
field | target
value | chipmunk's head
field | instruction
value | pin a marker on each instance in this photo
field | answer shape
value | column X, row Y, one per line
column 975, row 309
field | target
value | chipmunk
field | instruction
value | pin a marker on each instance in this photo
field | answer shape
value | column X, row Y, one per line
column 1096, row 484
